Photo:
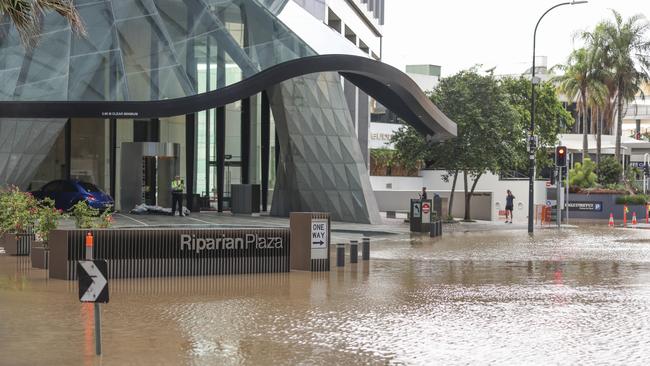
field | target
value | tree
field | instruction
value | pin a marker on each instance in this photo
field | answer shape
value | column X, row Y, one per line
column 27, row 15
column 627, row 55
column 574, row 83
column 550, row 115
column 487, row 137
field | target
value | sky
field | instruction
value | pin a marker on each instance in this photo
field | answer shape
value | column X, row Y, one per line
column 459, row 34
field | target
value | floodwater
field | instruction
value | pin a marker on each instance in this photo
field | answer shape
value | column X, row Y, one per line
column 577, row 296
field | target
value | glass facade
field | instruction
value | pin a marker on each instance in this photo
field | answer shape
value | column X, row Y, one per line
column 143, row 50
column 152, row 50
column 176, row 52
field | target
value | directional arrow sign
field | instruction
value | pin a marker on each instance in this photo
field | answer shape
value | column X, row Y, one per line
column 93, row 283
column 319, row 238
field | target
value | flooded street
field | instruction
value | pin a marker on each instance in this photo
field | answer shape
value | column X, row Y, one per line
column 578, row 296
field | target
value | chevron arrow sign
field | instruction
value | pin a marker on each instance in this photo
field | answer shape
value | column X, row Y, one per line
column 93, row 283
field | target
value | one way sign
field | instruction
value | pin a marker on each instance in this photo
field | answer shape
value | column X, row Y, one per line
column 319, row 238
column 93, row 283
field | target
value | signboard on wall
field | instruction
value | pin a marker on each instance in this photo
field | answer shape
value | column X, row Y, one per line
column 590, row 206
column 380, row 134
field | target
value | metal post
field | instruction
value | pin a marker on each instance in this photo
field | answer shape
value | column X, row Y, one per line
column 98, row 318
column 340, row 255
column 98, row 330
column 354, row 251
column 646, row 160
column 531, row 153
column 559, row 196
column 365, row 249
column 566, row 198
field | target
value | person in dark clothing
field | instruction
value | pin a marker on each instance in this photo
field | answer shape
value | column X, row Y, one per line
column 178, row 186
column 510, row 201
column 423, row 194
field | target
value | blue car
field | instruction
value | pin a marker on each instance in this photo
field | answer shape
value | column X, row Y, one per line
column 66, row 193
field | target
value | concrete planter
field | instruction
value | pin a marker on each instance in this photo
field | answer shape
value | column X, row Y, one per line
column 17, row 244
column 40, row 255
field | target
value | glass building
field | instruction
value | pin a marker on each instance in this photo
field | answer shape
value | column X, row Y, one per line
column 221, row 92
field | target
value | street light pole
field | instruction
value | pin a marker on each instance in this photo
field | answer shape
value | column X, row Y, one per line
column 531, row 141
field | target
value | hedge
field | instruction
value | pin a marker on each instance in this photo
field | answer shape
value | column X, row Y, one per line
column 637, row 199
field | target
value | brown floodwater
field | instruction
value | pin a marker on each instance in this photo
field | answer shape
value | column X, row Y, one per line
column 577, row 296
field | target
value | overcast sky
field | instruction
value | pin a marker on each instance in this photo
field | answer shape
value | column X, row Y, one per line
column 459, row 34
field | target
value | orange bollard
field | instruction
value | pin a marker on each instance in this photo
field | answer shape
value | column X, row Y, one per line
column 611, row 220
column 625, row 215
column 634, row 222
column 89, row 239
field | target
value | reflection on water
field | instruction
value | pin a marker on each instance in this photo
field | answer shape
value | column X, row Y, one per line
column 579, row 295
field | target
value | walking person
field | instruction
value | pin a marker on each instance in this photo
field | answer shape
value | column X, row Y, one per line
column 178, row 187
column 510, row 198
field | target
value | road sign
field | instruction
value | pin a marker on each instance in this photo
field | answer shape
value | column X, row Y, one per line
column 319, row 238
column 416, row 209
column 93, row 283
column 426, row 207
column 426, row 212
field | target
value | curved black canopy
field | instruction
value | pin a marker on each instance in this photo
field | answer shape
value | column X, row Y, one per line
column 386, row 84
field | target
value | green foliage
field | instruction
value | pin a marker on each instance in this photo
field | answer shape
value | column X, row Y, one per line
column 631, row 178
column 551, row 119
column 503, row 136
column 582, row 175
column 87, row 217
column 47, row 218
column 633, row 199
column 17, row 210
column 609, row 171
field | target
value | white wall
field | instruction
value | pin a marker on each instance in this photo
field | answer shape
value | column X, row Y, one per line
column 489, row 183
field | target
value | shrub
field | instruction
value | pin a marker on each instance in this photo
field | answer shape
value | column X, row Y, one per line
column 47, row 219
column 582, row 175
column 633, row 199
column 17, row 210
column 609, row 171
column 87, row 217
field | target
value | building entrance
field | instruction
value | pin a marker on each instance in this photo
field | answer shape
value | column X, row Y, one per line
column 147, row 169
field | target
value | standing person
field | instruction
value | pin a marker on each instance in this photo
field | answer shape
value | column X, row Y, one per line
column 510, row 198
column 423, row 194
column 178, row 186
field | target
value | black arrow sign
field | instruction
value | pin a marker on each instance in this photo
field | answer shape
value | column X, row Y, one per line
column 93, row 281
column 318, row 242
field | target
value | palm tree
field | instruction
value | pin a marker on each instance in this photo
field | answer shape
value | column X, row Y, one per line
column 597, row 95
column 574, row 83
column 628, row 58
column 27, row 15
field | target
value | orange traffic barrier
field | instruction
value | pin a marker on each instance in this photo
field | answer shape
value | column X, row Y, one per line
column 89, row 239
column 611, row 220
column 634, row 222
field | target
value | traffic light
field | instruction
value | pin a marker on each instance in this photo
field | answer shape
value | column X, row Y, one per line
column 560, row 156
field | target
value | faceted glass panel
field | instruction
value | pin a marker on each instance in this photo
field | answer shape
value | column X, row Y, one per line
column 146, row 50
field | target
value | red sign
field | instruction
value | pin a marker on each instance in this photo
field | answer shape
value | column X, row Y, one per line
column 426, row 207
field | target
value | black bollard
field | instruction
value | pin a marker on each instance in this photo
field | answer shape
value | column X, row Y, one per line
column 365, row 249
column 354, row 251
column 435, row 229
column 340, row 255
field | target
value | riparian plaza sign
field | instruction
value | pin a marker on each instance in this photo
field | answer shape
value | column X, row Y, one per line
column 223, row 242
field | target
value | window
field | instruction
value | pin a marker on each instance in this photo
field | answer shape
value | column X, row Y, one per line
column 89, row 187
